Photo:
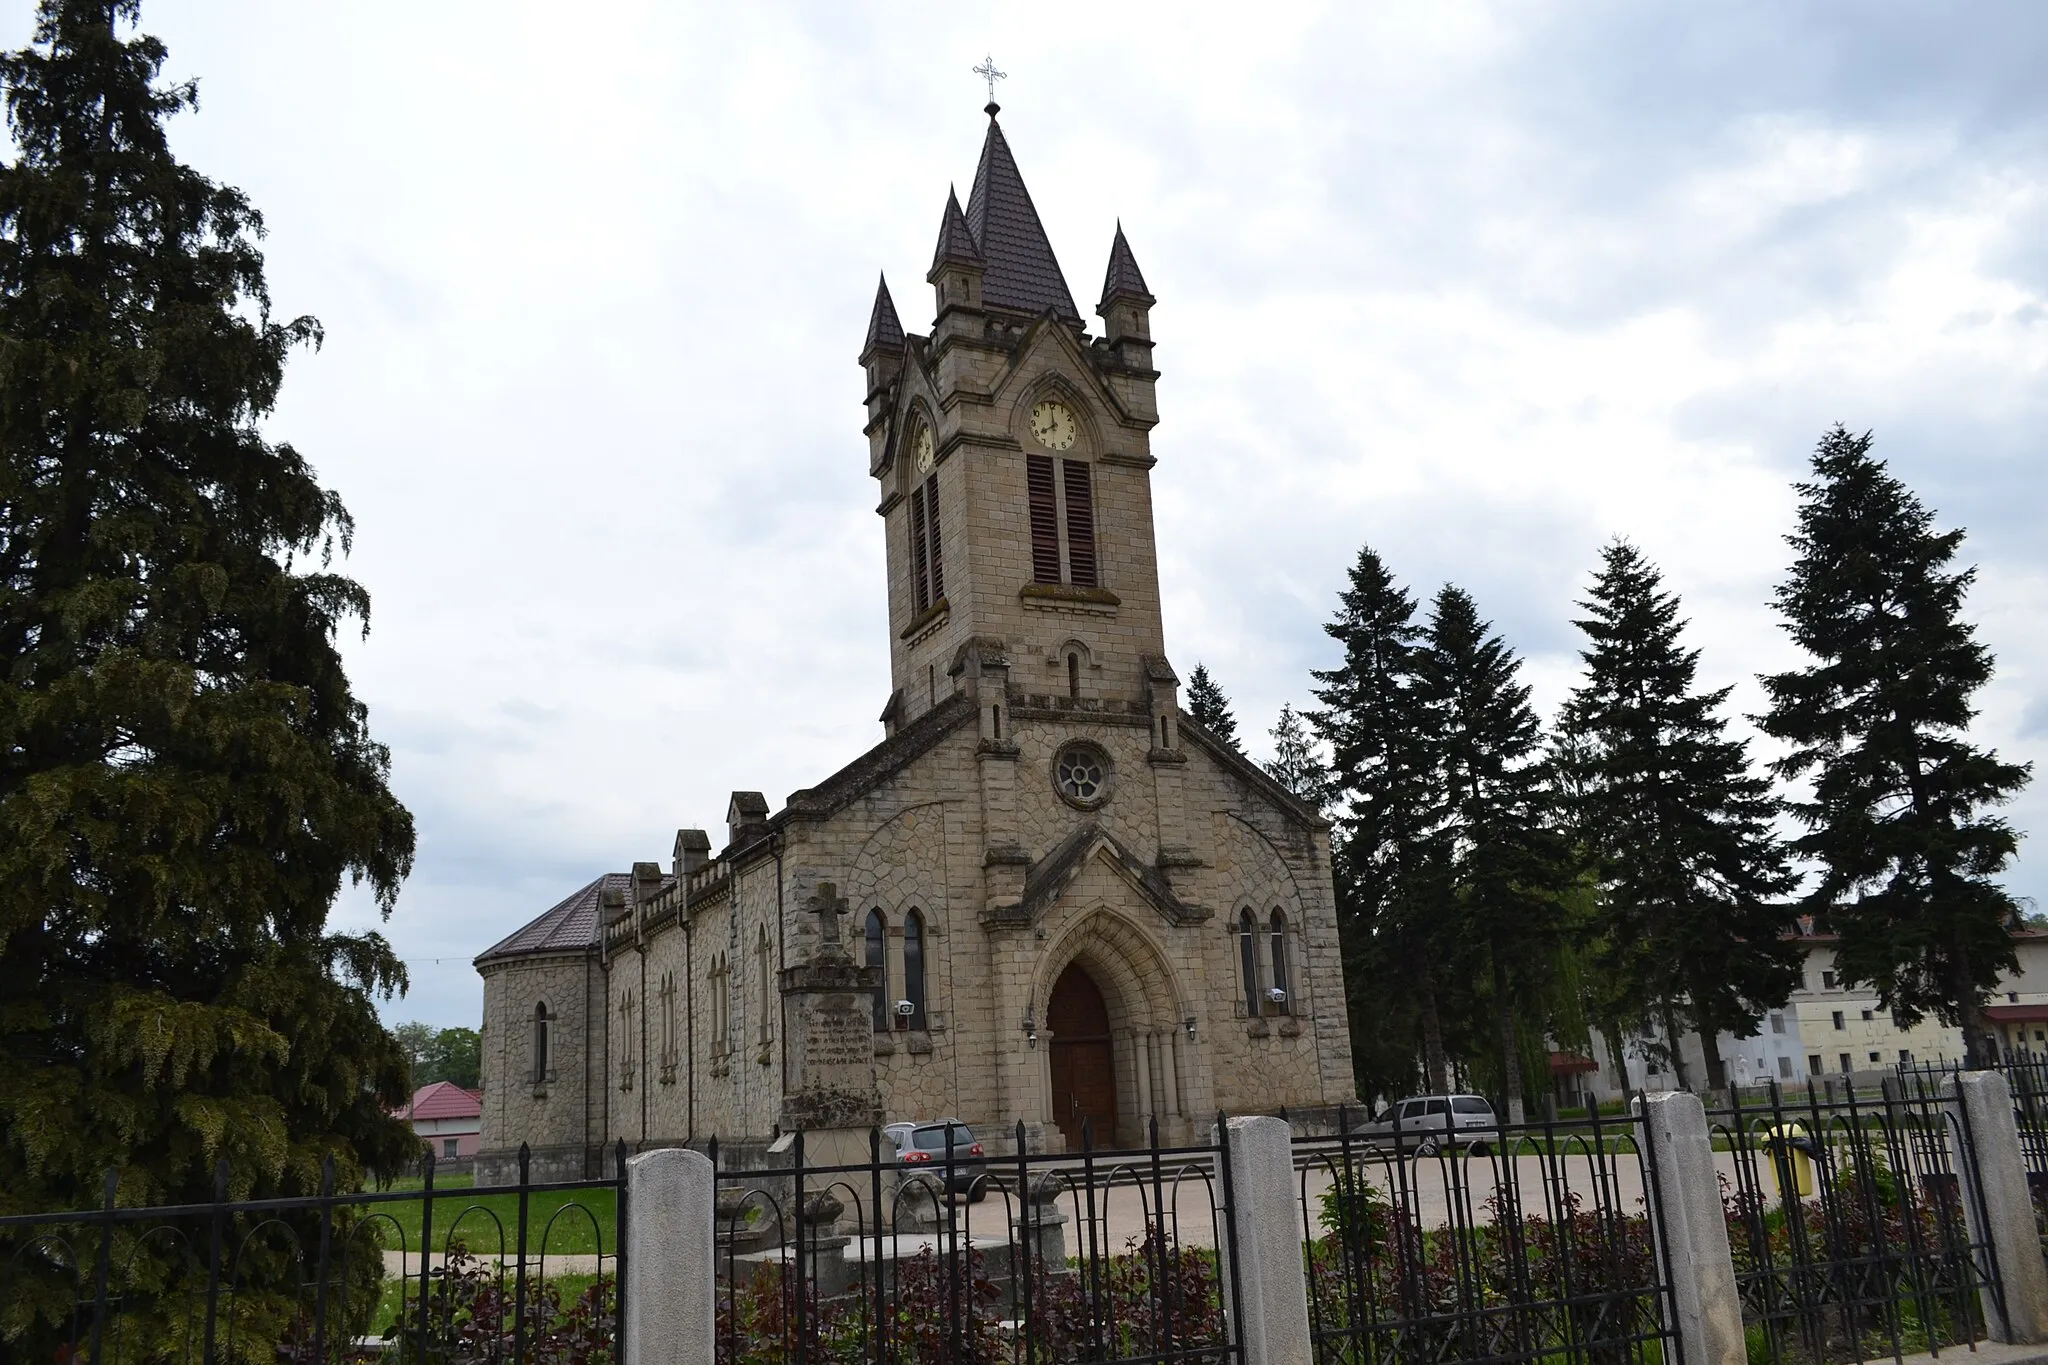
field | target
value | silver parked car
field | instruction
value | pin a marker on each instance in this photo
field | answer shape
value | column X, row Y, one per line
column 1428, row 1124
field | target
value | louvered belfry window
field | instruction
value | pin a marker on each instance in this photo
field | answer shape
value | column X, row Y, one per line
column 1052, row 485
column 1045, row 519
column 927, row 567
column 931, row 524
column 1080, row 524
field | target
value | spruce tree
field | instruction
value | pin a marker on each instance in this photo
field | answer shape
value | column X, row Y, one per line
column 1296, row 764
column 1897, row 821
column 185, row 775
column 1209, row 707
column 1503, row 868
column 1680, row 829
column 1398, row 954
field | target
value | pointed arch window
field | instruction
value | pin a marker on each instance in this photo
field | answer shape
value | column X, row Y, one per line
column 1061, row 493
column 764, row 971
column 913, row 968
column 669, row 1038
column 877, row 945
column 1282, row 997
column 543, row 1024
column 721, row 1006
column 1248, row 960
column 626, row 1041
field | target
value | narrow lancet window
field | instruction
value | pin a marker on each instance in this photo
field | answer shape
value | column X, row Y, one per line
column 1284, row 1002
column 913, row 967
column 1248, row 961
column 878, row 958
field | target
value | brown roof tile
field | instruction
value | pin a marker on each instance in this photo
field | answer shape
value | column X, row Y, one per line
column 956, row 239
column 884, row 331
column 569, row 926
column 1123, row 279
column 1023, row 274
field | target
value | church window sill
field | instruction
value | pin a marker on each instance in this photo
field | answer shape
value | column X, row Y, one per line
column 1064, row 597
column 1257, row 1029
column 1289, row 1029
column 884, row 1045
column 920, row 1044
column 926, row 621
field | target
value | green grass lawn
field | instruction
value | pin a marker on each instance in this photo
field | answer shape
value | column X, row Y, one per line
column 569, row 1288
column 562, row 1222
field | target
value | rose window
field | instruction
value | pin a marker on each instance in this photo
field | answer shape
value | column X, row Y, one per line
column 1081, row 775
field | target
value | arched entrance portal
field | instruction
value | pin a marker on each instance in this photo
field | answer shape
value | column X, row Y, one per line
column 1083, row 1059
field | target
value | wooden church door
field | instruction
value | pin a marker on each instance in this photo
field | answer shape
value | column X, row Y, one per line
column 1083, row 1064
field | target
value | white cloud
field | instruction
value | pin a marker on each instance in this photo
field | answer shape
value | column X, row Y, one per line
column 1484, row 285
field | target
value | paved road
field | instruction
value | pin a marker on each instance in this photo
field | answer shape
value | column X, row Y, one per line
column 1434, row 1186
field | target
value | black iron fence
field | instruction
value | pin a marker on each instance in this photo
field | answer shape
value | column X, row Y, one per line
column 956, row 1255
column 419, row 1272
column 1847, row 1220
column 1502, row 1243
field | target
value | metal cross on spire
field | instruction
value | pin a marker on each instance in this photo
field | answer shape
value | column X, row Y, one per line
column 987, row 71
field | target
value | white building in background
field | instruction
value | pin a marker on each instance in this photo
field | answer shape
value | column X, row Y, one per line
column 1827, row 1029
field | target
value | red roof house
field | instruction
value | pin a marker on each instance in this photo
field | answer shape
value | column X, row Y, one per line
column 447, row 1118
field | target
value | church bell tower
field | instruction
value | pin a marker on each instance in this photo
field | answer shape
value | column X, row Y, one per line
column 1011, row 451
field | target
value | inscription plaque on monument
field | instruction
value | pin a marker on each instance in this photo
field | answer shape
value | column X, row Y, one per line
column 829, row 1003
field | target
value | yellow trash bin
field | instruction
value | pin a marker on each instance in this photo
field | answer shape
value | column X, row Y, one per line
column 1792, row 1152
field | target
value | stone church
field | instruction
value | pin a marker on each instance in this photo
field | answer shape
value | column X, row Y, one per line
column 1047, row 895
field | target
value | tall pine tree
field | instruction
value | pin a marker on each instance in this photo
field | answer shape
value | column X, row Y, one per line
column 185, row 775
column 1680, row 829
column 1504, row 869
column 1878, row 723
column 1399, row 953
column 1209, row 707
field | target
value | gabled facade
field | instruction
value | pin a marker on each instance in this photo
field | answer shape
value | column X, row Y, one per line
column 1046, row 897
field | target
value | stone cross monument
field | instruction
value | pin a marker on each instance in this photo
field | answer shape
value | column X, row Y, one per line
column 829, row 1005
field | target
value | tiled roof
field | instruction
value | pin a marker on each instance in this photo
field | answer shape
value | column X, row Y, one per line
column 1022, row 274
column 1123, row 278
column 956, row 240
column 444, row 1100
column 884, row 331
column 564, row 929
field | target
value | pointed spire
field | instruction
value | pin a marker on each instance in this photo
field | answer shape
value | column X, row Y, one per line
column 1023, row 274
column 885, row 332
column 1123, row 281
column 956, row 242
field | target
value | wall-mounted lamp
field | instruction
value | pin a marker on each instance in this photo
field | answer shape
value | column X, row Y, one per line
column 1189, row 1025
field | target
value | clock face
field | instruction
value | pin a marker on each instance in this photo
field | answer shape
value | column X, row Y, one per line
column 922, row 450
column 1053, row 425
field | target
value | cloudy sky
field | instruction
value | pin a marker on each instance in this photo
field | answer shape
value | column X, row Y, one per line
column 1480, row 285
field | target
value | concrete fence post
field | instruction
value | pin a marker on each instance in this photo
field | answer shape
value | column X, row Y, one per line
column 1692, row 1231
column 671, row 1260
column 1264, row 1239
column 1997, row 1206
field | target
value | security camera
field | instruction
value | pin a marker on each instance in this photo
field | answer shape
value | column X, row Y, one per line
column 904, row 1009
column 1277, row 996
